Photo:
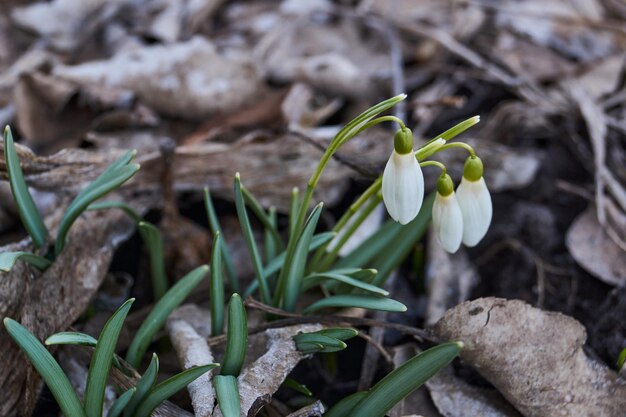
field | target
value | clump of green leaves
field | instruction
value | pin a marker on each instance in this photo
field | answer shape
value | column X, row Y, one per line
column 114, row 176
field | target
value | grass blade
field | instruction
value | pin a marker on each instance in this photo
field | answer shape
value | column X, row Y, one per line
column 160, row 312
column 236, row 338
column 316, row 279
column 292, row 286
column 29, row 214
column 169, row 387
column 8, row 259
column 361, row 301
column 271, row 249
column 102, row 359
column 71, row 338
column 104, row 205
column 343, row 407
column 217, row 287
column 404, row 380
column 115, row 175
column 120, row 404
column 263, row 217
column 296, row 386
column 244, row 221
column 277, row 263
column 48, row 368
column 154, row 242
column 227, row 393
column 214, row 224
column 143, row 386
column 293, row 210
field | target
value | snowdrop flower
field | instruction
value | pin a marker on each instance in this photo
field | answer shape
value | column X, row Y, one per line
column 447, row 216
column 403, row 182
column 475, row 201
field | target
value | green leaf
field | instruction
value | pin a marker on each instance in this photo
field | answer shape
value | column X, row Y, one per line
column 266, row 296
column 227, row 393
column 296, row 386
column 263, row 217
column 105, row 205
column 101, row 360
column 307, row 341
column 214, row 224
column 341, row 333
column 170, row 387
column 29, row 214
column 236, row 338
column 154, row 242
column 155, row 320
column 8, row 259
column 373, row 245
column 316, row 279
column 404, row 380
column 269, row 245
column 293, row 210
column 143, row 386
column 393, row 255
column 361, row 301
column 115, row 175
column 457, row 129
column 48, row 368
column 217, row 287
column 120, row 404
column 277, row 263
column 292, row 285
column 343, row 407
column 71, row 338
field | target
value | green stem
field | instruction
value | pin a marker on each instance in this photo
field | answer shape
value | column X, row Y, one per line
column 458, row 145
column 434, row 164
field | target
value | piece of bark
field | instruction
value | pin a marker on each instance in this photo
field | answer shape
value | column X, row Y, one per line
column 193, row 350
column 49, row 302
column 534, row 358
column 259, row 381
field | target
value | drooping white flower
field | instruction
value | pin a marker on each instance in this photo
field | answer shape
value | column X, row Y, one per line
column 403, row 181
column 475, row 202
column 447, row 216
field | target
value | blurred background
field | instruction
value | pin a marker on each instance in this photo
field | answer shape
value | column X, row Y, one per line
column 260, row 87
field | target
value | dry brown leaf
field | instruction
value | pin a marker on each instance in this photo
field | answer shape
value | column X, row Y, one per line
column 594, row 250
column 534, row 358
column 188, row 79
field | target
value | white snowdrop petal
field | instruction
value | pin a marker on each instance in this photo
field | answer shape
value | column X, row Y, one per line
column 403, row 187
column 448, row 222
column 475, row 202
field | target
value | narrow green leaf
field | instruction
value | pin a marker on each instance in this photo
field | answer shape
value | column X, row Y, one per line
column 143, row 386
column 296, row 386
column 263, row 217
column 293, row 210
column 217, row 287
column 48, row 368
column 292, row 286
column 8, row 259
column 214, row 224
column 115, row 175
column 105, row 205
column 404, row 380
column 343, row 407
column 101, row 360
column 305, row 341
column 120, row 404
column 155, row 320
column 29, row 214
column 373, row 245
column 361, row 301
column 457, row 129
column 341, row 333
column 236, row 338
column 71, row 338
column 153, row 240
column 277, row 263
column 316, row 279
column 227, row 393
column 269, row 244
column 266, row 296
column 170, row 387
column 392, row 256
column 621, row 359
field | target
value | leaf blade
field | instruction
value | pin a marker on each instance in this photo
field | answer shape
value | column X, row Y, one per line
column 227, row 393
column 360, row 301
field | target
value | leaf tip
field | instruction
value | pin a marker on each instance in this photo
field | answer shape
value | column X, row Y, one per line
column 460, row 344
